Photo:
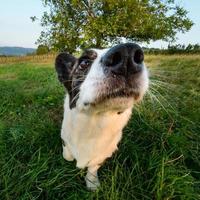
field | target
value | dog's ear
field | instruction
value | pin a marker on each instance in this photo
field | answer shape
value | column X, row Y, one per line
column 64, row 64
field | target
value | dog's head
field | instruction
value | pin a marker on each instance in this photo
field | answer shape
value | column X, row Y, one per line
column 113, row 78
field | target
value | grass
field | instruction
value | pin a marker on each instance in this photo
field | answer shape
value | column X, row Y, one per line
column 158, row 157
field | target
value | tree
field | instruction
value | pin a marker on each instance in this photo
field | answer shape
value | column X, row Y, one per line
column 42, row 49
column 72, row 24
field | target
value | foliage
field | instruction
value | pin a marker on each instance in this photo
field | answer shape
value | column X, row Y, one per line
column 184, row 49
column 175, row 49
column 158, row 157
column 42, row 49
column 72, row 24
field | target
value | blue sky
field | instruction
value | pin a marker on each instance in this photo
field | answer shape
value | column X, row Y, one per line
column 17, row 29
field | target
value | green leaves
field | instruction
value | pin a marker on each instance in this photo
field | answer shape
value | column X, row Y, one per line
column 72, row 24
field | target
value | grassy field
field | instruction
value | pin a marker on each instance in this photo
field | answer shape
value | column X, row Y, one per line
column 158, row 158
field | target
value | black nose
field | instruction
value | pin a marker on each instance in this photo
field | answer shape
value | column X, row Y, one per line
column 124, row 59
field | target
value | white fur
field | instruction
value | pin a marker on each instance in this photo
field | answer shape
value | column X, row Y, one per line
column 92, row 137
column 91, row 134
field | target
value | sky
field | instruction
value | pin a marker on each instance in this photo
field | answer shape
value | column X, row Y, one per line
column 17, row 29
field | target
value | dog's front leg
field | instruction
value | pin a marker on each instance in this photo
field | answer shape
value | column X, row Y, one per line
column 67, row 155
column 92, row 180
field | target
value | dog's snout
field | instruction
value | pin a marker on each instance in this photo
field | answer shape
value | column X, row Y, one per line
column 123, row 59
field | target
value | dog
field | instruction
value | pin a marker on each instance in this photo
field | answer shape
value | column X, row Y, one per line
column 102, row 87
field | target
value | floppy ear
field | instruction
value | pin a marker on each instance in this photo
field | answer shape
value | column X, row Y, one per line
column 64, row 64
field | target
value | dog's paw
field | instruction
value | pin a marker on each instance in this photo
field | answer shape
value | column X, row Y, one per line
column 67, row 155
column 93, row 184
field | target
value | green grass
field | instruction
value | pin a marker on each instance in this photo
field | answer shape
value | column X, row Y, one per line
column 158, row 157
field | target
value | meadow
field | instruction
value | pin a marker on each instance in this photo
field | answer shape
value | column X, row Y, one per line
column 158, row 157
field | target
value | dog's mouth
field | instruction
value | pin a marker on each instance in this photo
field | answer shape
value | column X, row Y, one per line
column 121, row 93
column 115, row 94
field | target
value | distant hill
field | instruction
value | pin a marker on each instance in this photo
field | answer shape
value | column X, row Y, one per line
column 15, row 51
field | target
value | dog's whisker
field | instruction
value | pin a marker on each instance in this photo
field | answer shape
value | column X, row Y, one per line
column 158, row 94
column 161, row 104
column 164, row 76
column 160, row 86
column 74, row 98
column 163, row 71
column 164, row 83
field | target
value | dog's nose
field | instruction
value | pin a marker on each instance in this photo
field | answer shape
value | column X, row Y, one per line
column 123, row 59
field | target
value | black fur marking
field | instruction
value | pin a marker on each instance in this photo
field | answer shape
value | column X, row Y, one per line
column 80, row 72
column 72, row 72
column 64, row 64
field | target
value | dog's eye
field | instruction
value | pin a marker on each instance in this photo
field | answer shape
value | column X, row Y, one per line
column 84, row 64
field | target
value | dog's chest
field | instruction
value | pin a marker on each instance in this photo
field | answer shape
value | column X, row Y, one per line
column 92, row 137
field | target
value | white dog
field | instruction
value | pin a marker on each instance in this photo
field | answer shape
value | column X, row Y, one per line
column 102, row 87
